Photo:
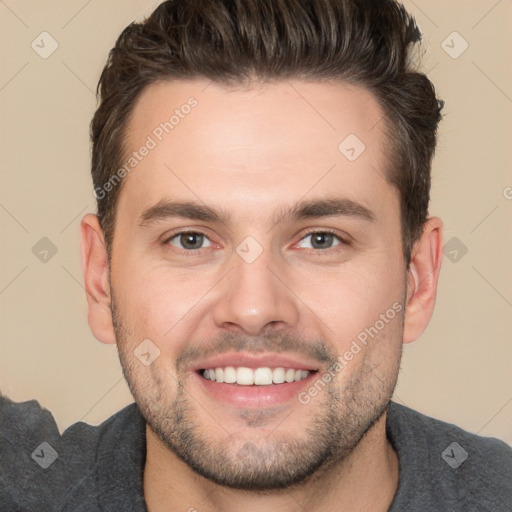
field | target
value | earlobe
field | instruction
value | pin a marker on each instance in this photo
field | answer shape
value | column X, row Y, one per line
column 422, row 279
column 95, row 269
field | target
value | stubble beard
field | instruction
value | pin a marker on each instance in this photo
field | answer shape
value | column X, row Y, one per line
column 341, row 419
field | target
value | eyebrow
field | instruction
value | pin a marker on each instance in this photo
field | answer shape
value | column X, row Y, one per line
column 311, row 209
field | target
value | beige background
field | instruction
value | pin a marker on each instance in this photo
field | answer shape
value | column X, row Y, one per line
column 459, row 370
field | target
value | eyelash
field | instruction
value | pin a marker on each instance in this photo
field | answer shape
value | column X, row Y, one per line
column 193, row 252
column 343, row 241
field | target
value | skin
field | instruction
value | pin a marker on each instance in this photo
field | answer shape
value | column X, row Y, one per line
column 253, row 151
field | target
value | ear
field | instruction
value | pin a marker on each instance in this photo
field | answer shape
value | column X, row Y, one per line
column 422, row 278
column 95, row 270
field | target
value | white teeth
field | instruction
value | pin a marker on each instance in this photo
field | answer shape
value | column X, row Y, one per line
column 263, row 376
column 229, row 375
column 219, row 375
column 260, row 376
column 278, row 376
column 290, row 375
column 244, row 376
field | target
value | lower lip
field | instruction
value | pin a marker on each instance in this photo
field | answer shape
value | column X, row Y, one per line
column 254, row 396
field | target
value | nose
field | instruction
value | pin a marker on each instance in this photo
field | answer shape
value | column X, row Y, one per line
column 254, row 296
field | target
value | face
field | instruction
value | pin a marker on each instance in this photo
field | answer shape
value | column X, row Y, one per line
column 251, row 246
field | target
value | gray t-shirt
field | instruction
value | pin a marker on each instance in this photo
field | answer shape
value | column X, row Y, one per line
column 89, row 469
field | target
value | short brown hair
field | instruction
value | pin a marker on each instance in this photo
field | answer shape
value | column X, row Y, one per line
column 362, row 42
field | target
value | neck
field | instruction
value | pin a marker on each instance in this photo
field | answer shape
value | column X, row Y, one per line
column 366, row 479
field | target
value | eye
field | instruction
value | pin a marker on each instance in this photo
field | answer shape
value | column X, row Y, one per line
column 188, row 240
column 322, row 240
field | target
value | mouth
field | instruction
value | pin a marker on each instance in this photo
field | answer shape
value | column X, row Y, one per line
column 254, row 381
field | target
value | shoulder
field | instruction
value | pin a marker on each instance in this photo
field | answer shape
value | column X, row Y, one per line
column 39, row 466
column 435, row 433
column 457, row 466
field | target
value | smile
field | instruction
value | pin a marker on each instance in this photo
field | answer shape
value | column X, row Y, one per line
column 263, row 376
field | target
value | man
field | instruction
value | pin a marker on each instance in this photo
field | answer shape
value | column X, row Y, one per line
column 261, row 252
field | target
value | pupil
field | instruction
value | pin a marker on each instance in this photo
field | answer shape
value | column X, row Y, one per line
column 321, row 238
column 190, row 237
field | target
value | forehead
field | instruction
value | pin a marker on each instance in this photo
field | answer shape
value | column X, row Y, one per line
column 212, row 142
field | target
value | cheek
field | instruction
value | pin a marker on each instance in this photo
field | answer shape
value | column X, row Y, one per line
column 143, row 297
column 159, row 302
column 350, row 300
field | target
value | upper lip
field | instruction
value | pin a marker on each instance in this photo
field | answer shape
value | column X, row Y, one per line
column 249, row 360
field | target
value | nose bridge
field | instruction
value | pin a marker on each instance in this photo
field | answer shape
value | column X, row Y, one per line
column 252, row 295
